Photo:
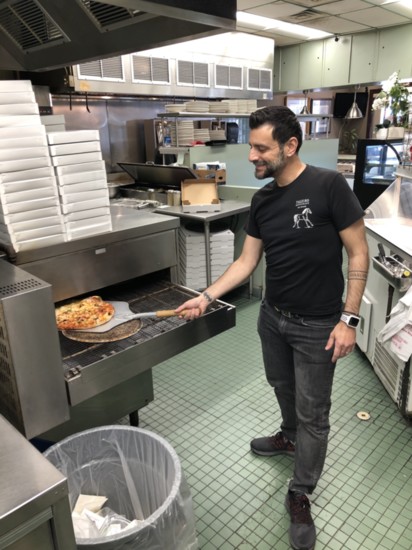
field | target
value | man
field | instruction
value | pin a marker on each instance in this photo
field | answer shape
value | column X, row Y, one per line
column 300, row 220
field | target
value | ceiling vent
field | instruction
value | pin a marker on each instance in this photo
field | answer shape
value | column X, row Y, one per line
column 302, row 16
column 259, row 79
column 28, row 25
column 150, row 69
column 190, row 73
column 107, row 16
column 227, row 76
column 103, row 69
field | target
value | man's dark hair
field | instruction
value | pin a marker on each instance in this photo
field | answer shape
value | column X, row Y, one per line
column 283, row 121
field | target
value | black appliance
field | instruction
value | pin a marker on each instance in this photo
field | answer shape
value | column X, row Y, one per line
column 157, row 176
column 376, row 163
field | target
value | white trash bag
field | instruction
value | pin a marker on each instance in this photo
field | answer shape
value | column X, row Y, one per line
column 140, row 475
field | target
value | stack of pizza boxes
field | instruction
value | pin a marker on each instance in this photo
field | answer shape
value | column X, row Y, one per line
column 81, row 181
column 30, row 215
column 192, row 258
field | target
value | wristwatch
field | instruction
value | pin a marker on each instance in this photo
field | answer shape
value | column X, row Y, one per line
column 350, row 319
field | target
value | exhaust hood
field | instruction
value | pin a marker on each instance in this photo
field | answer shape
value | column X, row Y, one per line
column 41, row 35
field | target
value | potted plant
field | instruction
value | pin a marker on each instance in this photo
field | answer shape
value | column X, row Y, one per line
column 395, row 97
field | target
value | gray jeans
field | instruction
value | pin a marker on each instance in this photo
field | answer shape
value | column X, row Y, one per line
column 301, row 373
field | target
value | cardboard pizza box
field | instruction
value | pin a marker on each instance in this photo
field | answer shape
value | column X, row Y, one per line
column 200, row 195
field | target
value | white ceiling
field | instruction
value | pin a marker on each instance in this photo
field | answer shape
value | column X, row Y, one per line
column 337, row 17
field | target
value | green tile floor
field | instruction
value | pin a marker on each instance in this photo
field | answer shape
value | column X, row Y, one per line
column 211, row 400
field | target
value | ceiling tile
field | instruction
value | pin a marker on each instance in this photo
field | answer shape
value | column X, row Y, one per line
column 337, row 25
column 376, row 17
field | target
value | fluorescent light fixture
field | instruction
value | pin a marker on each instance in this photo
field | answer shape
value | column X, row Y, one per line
column 267, row 24
column 405, row 3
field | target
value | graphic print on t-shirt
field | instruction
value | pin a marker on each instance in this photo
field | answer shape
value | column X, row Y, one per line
column 301, row 220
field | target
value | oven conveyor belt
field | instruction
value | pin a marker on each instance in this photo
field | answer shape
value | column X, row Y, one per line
column 152, row 295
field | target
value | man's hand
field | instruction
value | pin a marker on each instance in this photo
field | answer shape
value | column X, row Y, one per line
column 194, row 308
column 343, row 339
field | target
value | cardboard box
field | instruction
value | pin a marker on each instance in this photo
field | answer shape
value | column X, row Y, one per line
column 219, row 176
column 200, row 195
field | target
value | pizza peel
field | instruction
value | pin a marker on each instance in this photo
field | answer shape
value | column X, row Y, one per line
column 113, row 330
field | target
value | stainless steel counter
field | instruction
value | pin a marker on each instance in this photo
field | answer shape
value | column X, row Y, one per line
column 127, row 223
column 34, row 504
column 389, row 217
column 141, row 242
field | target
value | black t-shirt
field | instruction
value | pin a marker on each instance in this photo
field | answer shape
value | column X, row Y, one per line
column 299, row 225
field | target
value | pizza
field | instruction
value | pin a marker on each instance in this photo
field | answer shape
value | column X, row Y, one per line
column 90, row 312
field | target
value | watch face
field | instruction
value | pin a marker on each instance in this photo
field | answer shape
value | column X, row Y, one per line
column 353, row 322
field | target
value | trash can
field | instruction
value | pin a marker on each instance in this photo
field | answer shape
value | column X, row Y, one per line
column 140, row 474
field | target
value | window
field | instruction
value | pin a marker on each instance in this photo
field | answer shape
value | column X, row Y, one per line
column 321, row 107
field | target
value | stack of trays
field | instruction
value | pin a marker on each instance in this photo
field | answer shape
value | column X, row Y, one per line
column 192, row 268
column 82, row 182
column 30, row 214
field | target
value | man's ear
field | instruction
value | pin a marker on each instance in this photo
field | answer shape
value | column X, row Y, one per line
column 291, row 146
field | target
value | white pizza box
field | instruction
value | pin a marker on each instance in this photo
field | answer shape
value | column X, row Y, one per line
column 55, row 128
column 40, row 242
column 89, row 213
column 193, row 247
column 36, row 223
column 79, row 158
column 19, row 109
column 91, row 230
column 28, row 235
column 84, row 186
column 31, row 194
column 9, row 98
column 82, row 177
column 23, row 142
column 188, row 235
column 50, row 120
column 192, row 271
column 68, row 208
column 79, row 168
column 19, row 120
column 74, row 148
column 90, row 222
column 73, row 136
column 29, row 215
column 21, row 132
column 84, row 196
column 11, row 208
column 24, row 164
column 27, row 175
column 197, row 261
column 23, row 153
column 16, row 86
column 28, row 185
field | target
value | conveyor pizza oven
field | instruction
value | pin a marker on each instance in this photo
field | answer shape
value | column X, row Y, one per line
column 53, row 385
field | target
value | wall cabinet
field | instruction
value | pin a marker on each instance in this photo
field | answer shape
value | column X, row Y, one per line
column 363, row 58
column 336, row 60
column 394, row 52
column 357, row 59
column 289, row 68
column 310, row 65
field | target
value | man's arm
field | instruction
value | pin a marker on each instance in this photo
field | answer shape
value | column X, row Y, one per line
column 356, row 246
column 343, row 338
column 238, row 272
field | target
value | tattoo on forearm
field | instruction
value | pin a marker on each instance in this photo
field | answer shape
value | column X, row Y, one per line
column 361, row 275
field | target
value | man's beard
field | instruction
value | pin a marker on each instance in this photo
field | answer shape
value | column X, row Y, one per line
column 272, row 169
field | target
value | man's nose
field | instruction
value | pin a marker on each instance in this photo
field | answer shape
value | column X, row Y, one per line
column 252, row 155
